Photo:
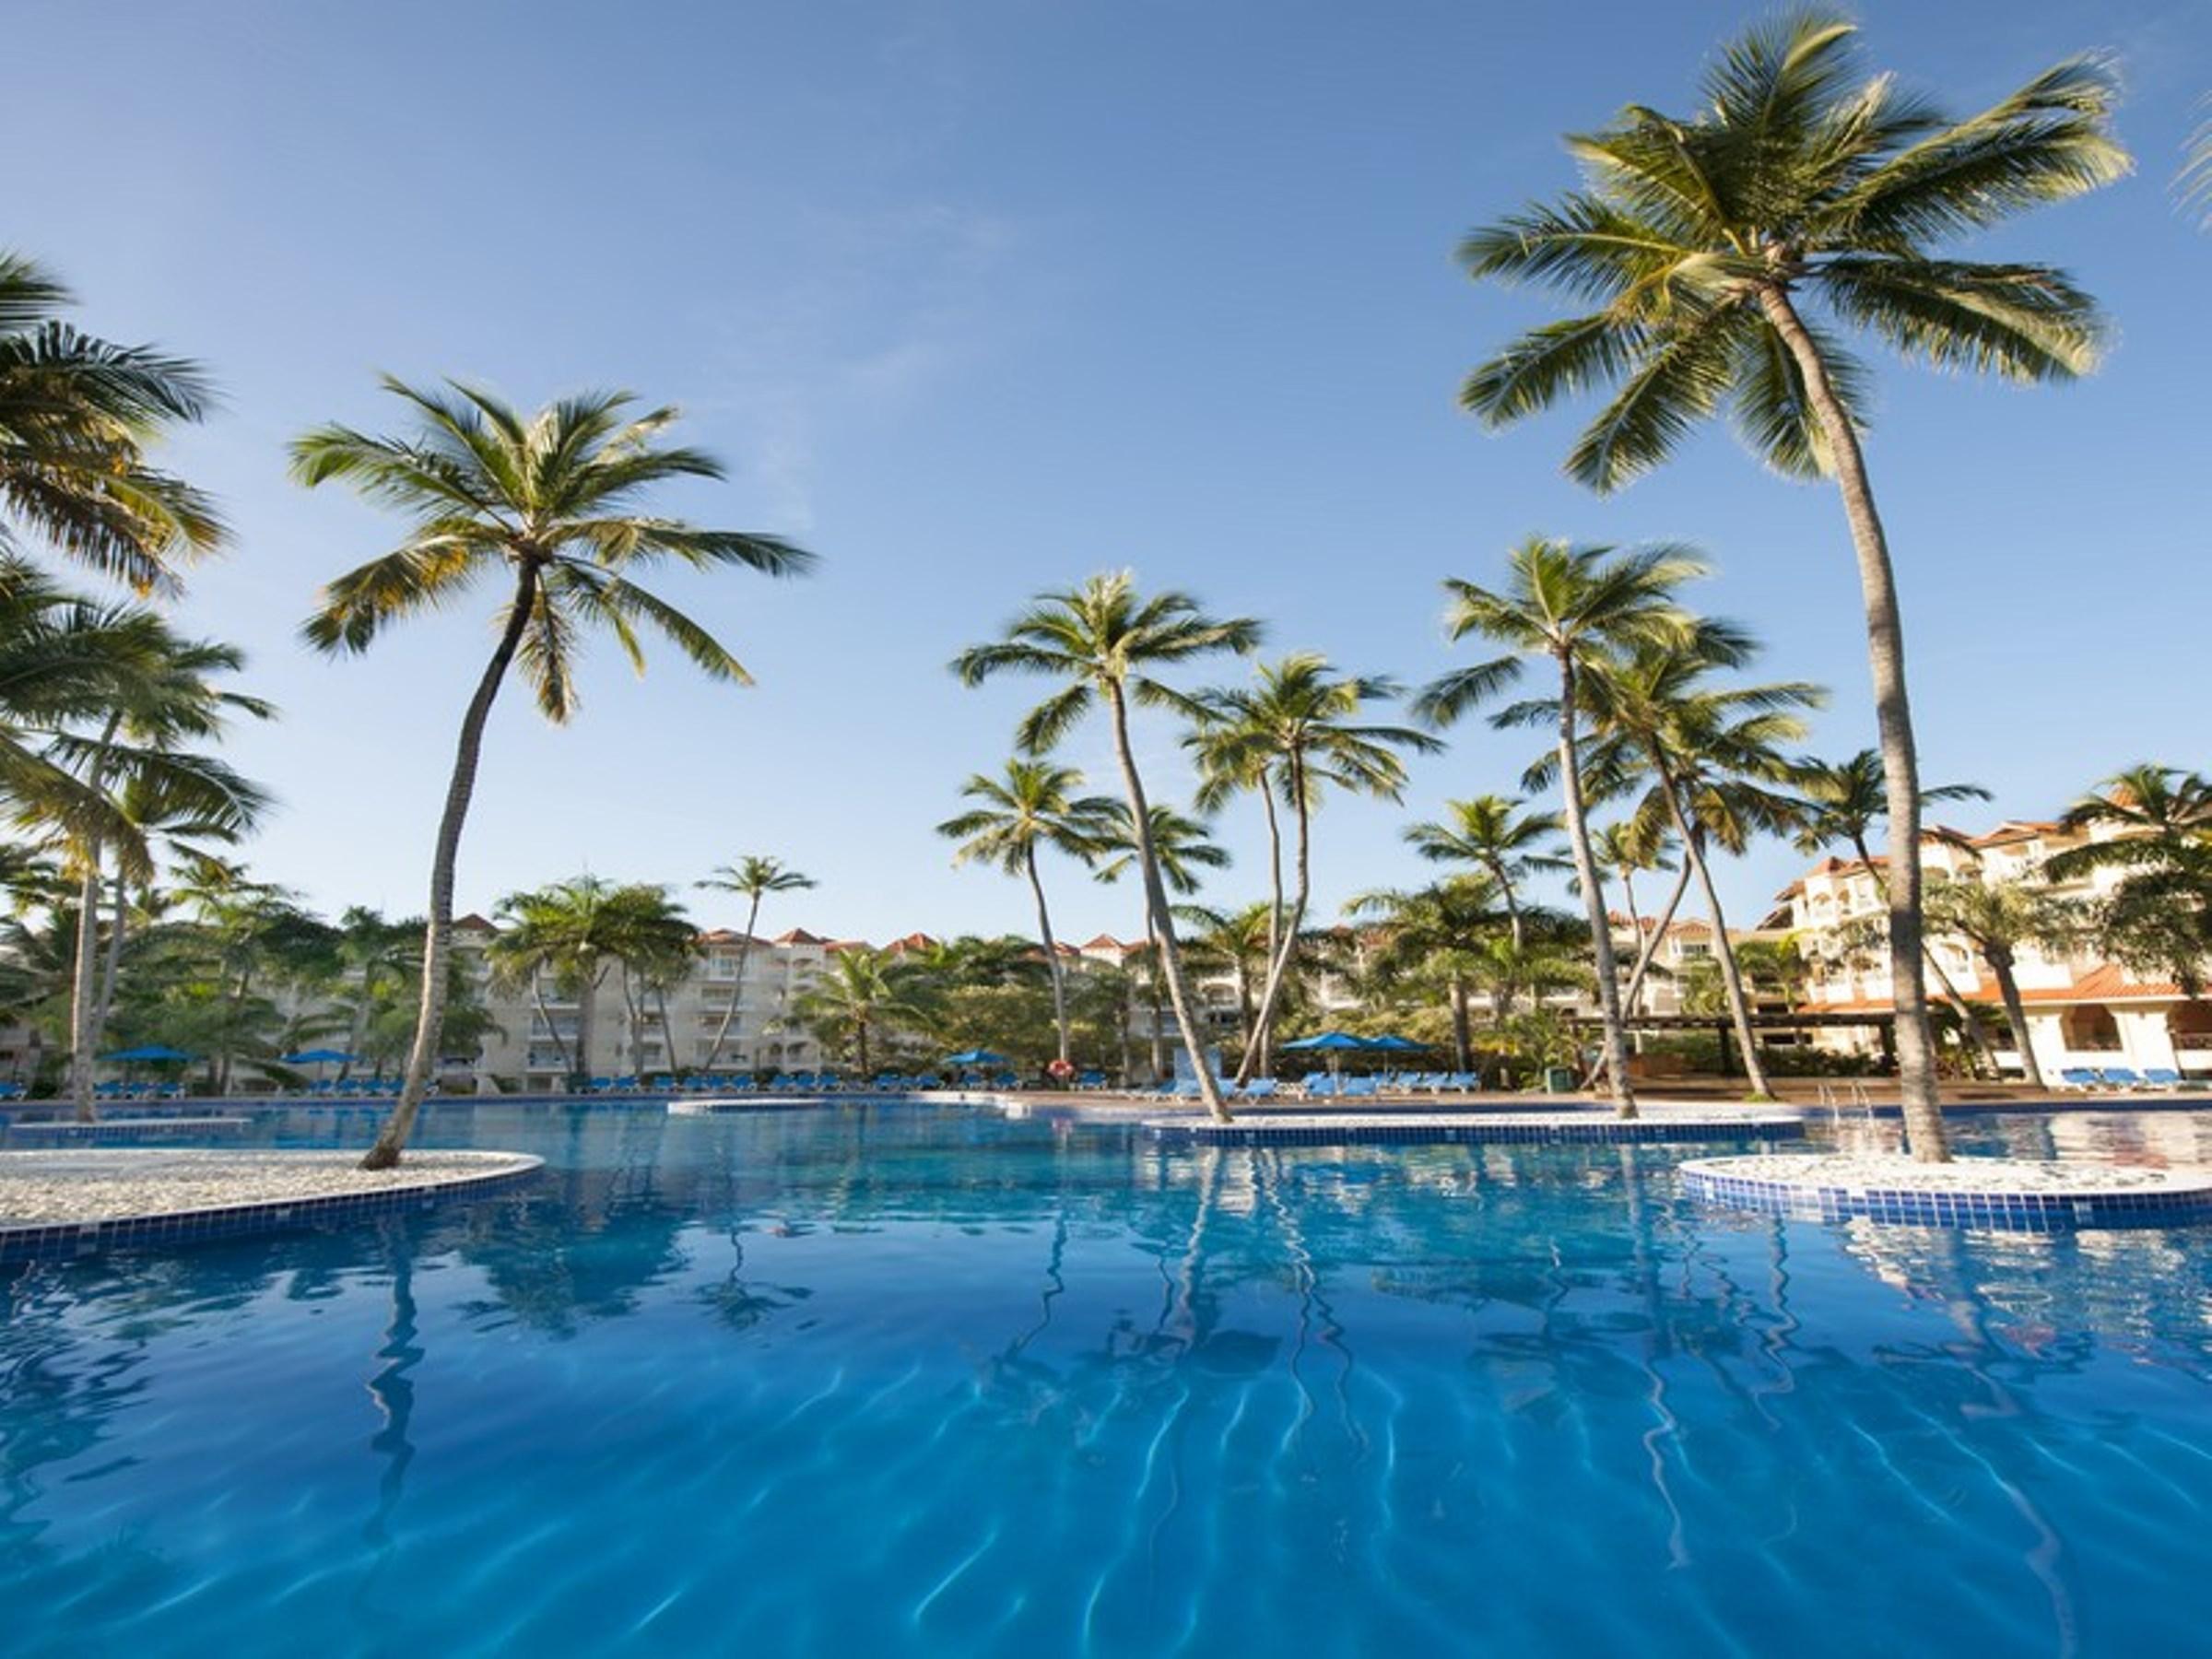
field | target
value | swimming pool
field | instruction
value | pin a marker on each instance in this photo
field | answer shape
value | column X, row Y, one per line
column 891, row 1377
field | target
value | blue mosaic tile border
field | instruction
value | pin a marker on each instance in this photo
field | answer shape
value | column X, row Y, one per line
column 118, row 1132
column 2005, row 1212
column 1598, row 1132
column 65, row 1241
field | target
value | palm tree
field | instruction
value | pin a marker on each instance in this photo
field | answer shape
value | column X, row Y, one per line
column 1298, row 728
column 78, row 414
column 2158, row 918
column 861, row 995
column 1569, row 603
column 1108, row 644
column 655, row 946
column 1490, row 833
column 1710, row 754
column 1841, row 801
column 163, row 690
column 1702, row 239
column 1032, row 804
column 570, row 933
column 1997, row 918
column 1441, row 935
column 1627, row 849
column 1182, row 847
column 754, row 876
column 551, row 502
column 1242, row 941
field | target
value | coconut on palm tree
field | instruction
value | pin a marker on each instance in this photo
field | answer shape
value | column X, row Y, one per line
column 1031, row 805
column 79, row 415
column 552, row 503
column 1109, row 644
column 1569, row 603
column 1709, row 244
column 753, row 878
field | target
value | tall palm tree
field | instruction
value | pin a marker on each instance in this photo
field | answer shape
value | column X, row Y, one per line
column 1627, row 849
column 1570, row 604
column 1033, row 804
column 77, row 415
column 1297, row 726
column 1490, row 833
column 551, row 502
column 1108, row 644
column 753, row 876
column 1702, row 239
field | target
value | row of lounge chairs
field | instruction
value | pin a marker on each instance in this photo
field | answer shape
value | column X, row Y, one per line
column 133, row 1091
column 2121, row 1079
column 1321, row 1086
column 805, row 1082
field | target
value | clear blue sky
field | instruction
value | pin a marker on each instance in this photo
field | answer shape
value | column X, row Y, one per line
column 978, row 298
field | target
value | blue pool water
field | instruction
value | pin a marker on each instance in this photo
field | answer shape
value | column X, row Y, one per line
column 887, row 1380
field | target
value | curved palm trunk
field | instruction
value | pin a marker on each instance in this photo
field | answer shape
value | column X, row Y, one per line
column 84, row 991
column 1264, row 1041
column 1285, row 949
column 1731, row 978
column 1462, row 1027
column 660, row 1004
column 1594, row 901
column 561, row 1044
column 1052, row 957
column 438, row 932
column 1969, row 1022
column 111, row 968
column 1648, row 949
column 1893, row 716
column 83, row 982
column 1159, row 1055
column 745, row 954
column 1999, row 958
column 587, row 1017
column 1164, row 922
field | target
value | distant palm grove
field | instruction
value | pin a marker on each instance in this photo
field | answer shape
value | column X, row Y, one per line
column 1732, row 260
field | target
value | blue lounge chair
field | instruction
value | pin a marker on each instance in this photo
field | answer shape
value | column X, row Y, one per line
column 2164, row 1076
column 2121, row 1076
column 1090, row 1080
column 2082, row 1078
column 1259, row 1089
column 1360, row 1088
column 1318, row 1086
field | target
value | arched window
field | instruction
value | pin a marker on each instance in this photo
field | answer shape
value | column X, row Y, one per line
column 2090, row 1026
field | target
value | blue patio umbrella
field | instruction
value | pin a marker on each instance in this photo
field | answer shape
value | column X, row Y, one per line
column 319, row 1058
column 150, row 1050
column 975, row 1057
column 1391, row 1042
column 1335, row 1044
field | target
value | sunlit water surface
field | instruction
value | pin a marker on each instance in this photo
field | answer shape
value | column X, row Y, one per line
column 896, row 1379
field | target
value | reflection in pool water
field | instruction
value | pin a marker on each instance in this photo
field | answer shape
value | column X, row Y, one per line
column 890, row 1379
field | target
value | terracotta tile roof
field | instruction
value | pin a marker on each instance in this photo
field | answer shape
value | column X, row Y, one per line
column 472, row 922
column 798, row 935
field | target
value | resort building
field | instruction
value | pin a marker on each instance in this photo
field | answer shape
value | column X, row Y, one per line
column 2082, row 1010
